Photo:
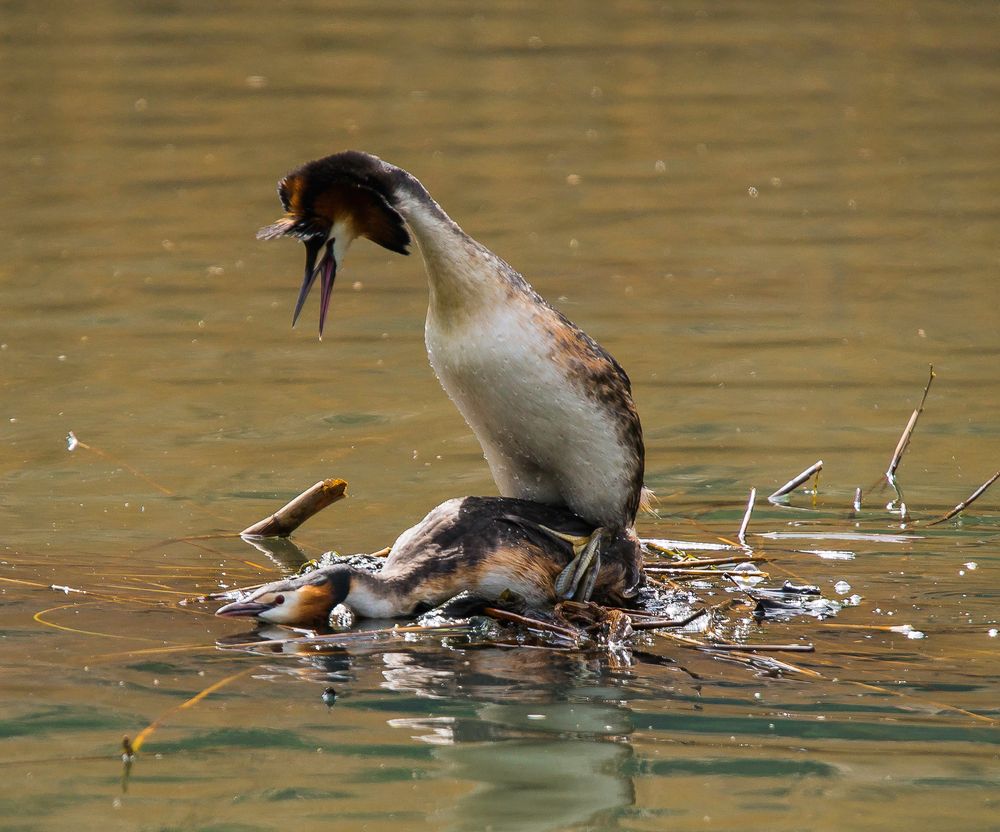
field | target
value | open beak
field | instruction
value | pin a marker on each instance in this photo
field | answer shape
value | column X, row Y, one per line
column 326, row 269
column 243, row 609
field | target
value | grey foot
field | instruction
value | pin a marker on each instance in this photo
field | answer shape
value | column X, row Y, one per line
column 576, row 582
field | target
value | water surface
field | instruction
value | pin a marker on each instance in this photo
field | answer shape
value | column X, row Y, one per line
column 774, row 217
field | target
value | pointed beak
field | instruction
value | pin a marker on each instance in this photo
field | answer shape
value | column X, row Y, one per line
column 243, row 609
column 326, row 269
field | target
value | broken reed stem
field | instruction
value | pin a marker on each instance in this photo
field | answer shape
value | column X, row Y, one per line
column 649, row 623
column 904, row 440
column 903, row 444
column 796, row 481
column 742, row 535
column 533, row 623
column 293, row 514
column 681, row 571
column 968, row 501
column 745, row 648
column 762, row 648
column 73, row 442
column 696, row 562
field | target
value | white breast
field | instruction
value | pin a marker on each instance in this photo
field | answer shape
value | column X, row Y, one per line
column 544, row 438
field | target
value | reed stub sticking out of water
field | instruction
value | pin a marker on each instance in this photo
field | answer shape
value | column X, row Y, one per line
column 741, row 535
column 898, row 504
column 795, row 482
column 293, row 514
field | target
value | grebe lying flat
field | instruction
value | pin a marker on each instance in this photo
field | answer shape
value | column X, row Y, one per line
column 551, row 408
column 485, row 545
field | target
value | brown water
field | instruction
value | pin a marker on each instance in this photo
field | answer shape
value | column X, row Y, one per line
column 774, row 216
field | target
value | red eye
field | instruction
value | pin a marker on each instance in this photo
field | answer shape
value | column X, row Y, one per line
column 279, row 600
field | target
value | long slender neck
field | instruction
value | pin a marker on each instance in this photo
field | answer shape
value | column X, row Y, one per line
column 375, row 596
column 462, row 273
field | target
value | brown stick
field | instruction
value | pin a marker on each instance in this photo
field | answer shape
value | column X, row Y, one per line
column 962, row 506
column 533, row 623
column 292, row 515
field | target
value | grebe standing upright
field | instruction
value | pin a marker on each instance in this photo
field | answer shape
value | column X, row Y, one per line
column 551, row 408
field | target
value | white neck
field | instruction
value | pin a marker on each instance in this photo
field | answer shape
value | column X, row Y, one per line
column 375, row 597
column 463, row 274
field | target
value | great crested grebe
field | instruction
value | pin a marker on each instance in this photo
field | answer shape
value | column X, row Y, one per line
column 551, row 408
column 485, row 545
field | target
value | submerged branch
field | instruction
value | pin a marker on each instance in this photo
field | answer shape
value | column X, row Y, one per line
column 968, row 501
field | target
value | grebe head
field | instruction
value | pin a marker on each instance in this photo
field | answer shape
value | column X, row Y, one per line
column 329, row 203
column 303, row 601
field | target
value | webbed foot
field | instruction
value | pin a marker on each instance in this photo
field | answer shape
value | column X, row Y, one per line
column 576, row 582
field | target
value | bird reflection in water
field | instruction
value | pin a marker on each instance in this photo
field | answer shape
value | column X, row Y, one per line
column 546, row 748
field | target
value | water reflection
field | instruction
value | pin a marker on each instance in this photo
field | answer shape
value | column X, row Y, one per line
column 546, row 745
column 540, row 783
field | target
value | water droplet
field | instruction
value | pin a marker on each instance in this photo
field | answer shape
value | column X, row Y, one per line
column 842, row 587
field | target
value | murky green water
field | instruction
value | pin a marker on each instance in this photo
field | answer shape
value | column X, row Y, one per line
column 774, row 216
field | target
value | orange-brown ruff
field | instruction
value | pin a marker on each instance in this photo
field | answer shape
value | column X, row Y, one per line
column 551, row 408
column 485, row 545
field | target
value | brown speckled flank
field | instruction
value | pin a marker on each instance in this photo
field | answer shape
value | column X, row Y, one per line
column 484, row 545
